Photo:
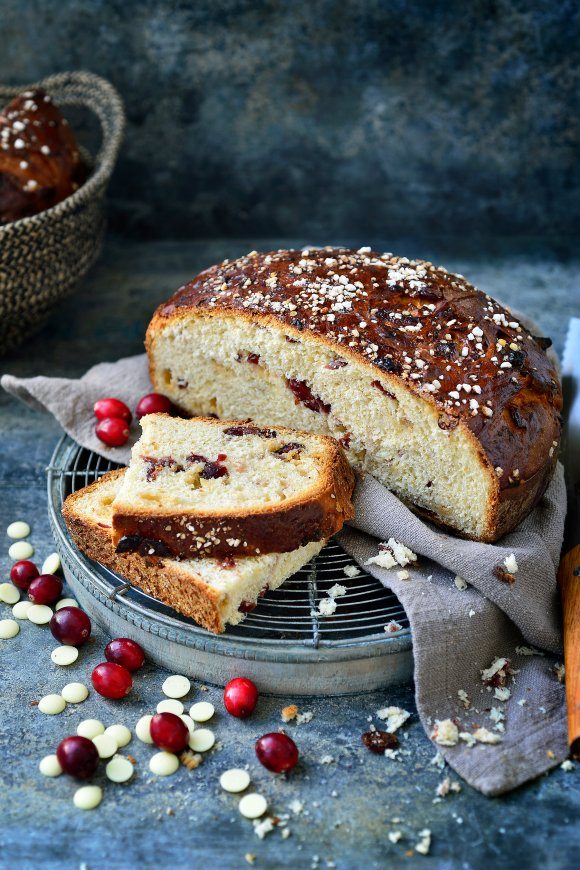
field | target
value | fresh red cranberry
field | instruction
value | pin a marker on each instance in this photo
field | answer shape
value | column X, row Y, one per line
column 169, row 732
column 78, row 756
column 105, row 408
column 124, row 651
column 23, row 573
column 111, row 680
column 113, row 431
column 277, row 752
column 153, row 403
column 71, row 626
column 240, row 697
column 45, row 589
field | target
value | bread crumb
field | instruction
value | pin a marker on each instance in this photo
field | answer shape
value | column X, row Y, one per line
column 424, row 843
column 327, row 759
column 567, row 765
column 482, row 735
column 190, row 759
column 392, row 553
column 351, row 571
column 296, row 806
column 501, row 693
column 304, row 718
column 394, row 836
column 336, row 591
column 460, row 583
column 263, row 827
column 511, row 564
column 446, row 786
column 393, row 717
column 288, row 713
column 326, row 606
column 392, row 626
column 445, row 732
column 528, row 651
column 463, row 697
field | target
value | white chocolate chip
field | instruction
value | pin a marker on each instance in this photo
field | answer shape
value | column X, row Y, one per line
column 20, row 550
column 87, row 797
column 90, row 728
column 75, row 693
column 252, row 806
column 119, row 769
column 52, row 705
column 202, row 711
column 170, row 705
column 17, row 530
column 189, row 722
column 8, row 628
column 106, row 745
column 201, row 740
column 50, row 766
column 120, row 733
column 176, row 686
column 9, row 594
column 235, row 780
column 39, row 614
column 51, row 564
column 64, row 655
column 21, row 608
column 66, row 602
column 143, row 729
column 163, row 763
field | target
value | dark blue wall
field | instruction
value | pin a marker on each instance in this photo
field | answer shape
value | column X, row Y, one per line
column 327, row 119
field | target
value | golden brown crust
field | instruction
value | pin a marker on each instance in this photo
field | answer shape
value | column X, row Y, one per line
column 313, row 516
column 414, row 323
column 40, row 164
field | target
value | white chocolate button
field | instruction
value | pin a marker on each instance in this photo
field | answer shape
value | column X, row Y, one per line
column 21, row 608
column 20, row 550
column 143, row 729
column 50, row 766
column 90, row 728
column 9, row 594
column 163, row 763
column 176, row 686
column 17, row 530
column 8, row 628
column 171, row 705
column 120, row 733
column 235, row 780
column 75, row 693
column 202, row 711
column 189, row 722
column 52, row 705
column 87, row 797
column 64, row 655
column 119, row 769
column 252, row 806
column 66, row 602
column 51, row 564
column 201, row 740
column 39, row 614
column 106, row 745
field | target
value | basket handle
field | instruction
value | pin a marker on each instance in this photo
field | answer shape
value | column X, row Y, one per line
column 80, row 88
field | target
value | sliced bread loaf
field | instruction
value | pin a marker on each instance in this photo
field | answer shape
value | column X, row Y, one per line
column 211, row 592
column 201, row 487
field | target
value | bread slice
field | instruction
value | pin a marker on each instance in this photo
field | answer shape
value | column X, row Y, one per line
column 208, row 591
column 201, row 487
column 430, row 385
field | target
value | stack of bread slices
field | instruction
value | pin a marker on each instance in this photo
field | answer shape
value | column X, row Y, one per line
column 211, row 514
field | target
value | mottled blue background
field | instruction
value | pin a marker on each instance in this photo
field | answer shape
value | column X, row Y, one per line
column 437, row 120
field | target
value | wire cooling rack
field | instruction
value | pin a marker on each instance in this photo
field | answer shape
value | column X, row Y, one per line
column 285, row 627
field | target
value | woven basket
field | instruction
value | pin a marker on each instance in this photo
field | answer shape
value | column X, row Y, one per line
column 44, row 257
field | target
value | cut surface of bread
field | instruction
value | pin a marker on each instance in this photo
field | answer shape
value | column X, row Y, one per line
column 429, row 384
column 202, row 487
column 208, row 591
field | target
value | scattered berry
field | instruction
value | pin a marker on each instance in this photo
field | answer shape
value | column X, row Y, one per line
column 240, row 697
column 23, row 573
column 124, row 651
column 277, row 752
column 112, row 408
column 169, row 732
column 45, row 589
column 153, row 403
column 113, row 431
column 71, row 626
column 78, row 756
column 111, row 680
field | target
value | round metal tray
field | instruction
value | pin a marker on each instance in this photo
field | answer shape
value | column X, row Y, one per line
column 283, row 644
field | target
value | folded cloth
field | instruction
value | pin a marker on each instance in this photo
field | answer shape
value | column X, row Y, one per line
column 484, row 649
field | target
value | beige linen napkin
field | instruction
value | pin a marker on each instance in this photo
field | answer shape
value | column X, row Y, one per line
column 457, row 633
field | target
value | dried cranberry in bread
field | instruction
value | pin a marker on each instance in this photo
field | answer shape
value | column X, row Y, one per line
column 40, row 164
column 200, row 487
column 212, row 593
column 430, row 385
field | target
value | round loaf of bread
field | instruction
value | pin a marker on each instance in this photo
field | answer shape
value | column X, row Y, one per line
column 429, row 384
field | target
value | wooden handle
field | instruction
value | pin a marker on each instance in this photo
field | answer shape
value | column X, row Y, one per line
column 569, row 580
